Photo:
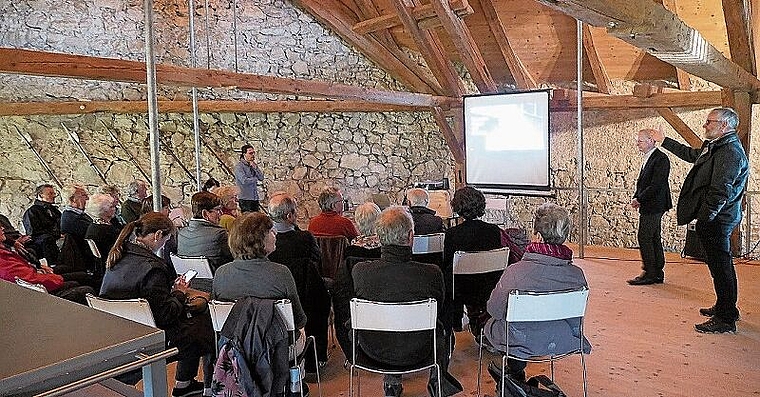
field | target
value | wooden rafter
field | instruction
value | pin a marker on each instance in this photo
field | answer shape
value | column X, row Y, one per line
column 754, row 24
column 81, row 107
column 565, row 101
column 448, row 134
column 424, row 15
column 650, row 26
column 392, row 61
column 597, row 67
column 40, row 63
column 683, row 78
column 519, row 72
column 432, row 50
column 738, row 36
column 681, row 128
column 468, row 50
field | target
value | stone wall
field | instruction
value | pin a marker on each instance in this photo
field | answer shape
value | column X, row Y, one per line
column 363, row 153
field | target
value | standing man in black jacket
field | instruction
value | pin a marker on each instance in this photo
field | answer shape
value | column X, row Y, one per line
column 652, row 199
column 712, row 194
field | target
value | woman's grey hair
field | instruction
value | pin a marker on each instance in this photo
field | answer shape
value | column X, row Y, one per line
column 552, row 222
column 394, row 226
column 99, row 204
column 365, row 216
column 417, row 197
column 280, row 206
column 729, row 116
column 327, row 199
column 133, row 187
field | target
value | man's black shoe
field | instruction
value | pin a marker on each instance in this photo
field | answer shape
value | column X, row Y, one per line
column 193, row 388
column 710, row 311
column 645, row 280
column 715, row 326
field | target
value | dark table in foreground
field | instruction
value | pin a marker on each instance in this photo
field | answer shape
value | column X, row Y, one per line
column 47, row 342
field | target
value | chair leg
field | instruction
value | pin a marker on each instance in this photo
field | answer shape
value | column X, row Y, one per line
column 583, row 364
column 351, row 380
column 480, row 361
column 316, row 360
column 551, row 365
column 503, row 373
column 438, row 369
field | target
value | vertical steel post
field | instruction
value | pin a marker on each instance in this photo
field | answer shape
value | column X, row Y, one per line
column 150, row 68
column 582, row 215
column 196, row 126
column 234, row 32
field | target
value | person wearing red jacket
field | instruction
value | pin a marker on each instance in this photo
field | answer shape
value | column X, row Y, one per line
column 13, row 265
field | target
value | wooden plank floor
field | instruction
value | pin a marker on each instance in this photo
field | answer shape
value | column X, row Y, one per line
column 643, row 337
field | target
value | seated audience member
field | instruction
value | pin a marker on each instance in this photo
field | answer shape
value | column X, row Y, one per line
column 396, row 278
column 230, row 211
column 298, row 250
column 547, row 265
column 135, row 271
column 102, row 208
column 331, row 222
column 367, row 244
column 114, row 192
column 16, row 240
column 210, row 185
column 252, row 239
column 131, row 208
column 74, row 221
column 472, row 290
column 425, row 219
column 203, row 236
column 42, row 221
column 13, row 265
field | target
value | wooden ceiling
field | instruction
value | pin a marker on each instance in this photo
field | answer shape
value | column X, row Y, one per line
column 523, row 44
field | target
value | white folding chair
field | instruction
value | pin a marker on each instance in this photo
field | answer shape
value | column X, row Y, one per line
column 200, row 264
column 285, row 309
column 220, row 310
column 392, row 317
column 526, row 306
column 93, row 248
column 478, row 262
column 136, row 310
column 32, row 286
column 428, row 243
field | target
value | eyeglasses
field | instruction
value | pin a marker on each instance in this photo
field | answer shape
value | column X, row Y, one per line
column 713, row 121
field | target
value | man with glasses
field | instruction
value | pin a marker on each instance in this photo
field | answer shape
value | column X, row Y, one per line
column 712, row 194
column 203, row 236
column 652, row 199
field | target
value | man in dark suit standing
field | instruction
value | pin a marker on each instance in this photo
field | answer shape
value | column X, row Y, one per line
column 652, row 199
column 712, row 194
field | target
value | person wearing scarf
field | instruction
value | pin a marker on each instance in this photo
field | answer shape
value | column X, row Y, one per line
column 547, row 265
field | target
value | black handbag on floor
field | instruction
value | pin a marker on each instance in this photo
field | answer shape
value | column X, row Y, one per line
column 537, row 386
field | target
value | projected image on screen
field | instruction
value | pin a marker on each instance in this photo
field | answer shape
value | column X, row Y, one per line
column 507, row 141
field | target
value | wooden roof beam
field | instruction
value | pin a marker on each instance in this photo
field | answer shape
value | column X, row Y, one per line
column 754, row 25
column 738, row 36
column 519, row 72
column 683, row 78
column 432, row 50
column 393, row 61
column 219, row 106
column 448, row 134
column 597, row 68
column 681, row 128
column 650, row 26
column 39, row 63
column 564, row 100
column 424, row 15
column 468, row 50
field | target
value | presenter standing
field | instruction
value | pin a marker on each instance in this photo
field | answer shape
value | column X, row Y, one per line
column 712, row 194
column 652, row 199
column 247, row 176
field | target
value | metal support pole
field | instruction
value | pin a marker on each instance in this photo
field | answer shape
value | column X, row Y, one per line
column 74, row 137
column 196, row 127
column 28, row 140
column 208, row 39
column 582, row 215
column 235, row 33
column 150, row 67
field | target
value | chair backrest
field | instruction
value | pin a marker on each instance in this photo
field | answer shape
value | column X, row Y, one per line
column 525, row 306
column 136, row 310
column 396, row 316
column 93, row 248
column 480, row 261
column 32, row 286
column 285, row 309
column 332, row 248
column 428, row 243
column 220, row 310
column 200, row 264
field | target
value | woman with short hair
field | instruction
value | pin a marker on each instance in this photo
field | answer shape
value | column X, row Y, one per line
column 134, row 270
column 367, row 244
column 547, row 265
column 102, row 209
